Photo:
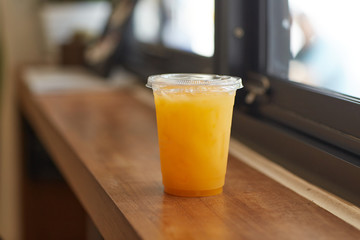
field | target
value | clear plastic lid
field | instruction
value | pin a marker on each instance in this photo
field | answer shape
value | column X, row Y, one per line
column 191, row 80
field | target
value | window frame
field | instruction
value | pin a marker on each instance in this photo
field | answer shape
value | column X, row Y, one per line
column 332, row 116
column 308, row 130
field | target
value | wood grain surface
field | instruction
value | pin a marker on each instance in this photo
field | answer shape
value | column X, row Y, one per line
column 105, row 144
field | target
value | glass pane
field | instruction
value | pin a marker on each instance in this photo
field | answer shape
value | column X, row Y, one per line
column 325, row 44
column 185, row 25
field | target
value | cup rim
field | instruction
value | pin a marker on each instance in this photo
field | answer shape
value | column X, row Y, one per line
column 193, row 79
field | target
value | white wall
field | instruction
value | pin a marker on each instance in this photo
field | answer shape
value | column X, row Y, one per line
column 20, row 37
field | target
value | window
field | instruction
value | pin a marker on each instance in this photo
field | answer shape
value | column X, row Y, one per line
column 325, row 46
column 284, row 112
column 184, row 25
column 171, row 36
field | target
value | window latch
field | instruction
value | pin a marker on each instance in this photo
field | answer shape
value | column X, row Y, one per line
column 256, row 85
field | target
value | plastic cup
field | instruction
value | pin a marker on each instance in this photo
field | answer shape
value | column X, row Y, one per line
column 194, row 113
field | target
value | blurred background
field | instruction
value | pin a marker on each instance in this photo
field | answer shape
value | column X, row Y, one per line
column 321, row 50
column 90, row 34
column 32, row 31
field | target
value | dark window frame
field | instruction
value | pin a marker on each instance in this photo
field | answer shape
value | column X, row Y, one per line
column 311, row 131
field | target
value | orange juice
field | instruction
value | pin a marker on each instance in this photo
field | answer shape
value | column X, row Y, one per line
column 193, row 113
column 194, row 134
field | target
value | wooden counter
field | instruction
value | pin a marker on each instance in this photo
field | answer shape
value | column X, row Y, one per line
column 104, row 142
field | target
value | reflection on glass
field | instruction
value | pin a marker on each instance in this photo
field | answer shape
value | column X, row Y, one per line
column 182, row 24
column 325, row 44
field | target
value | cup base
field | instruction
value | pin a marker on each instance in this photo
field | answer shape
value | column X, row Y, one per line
column 193, row 193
